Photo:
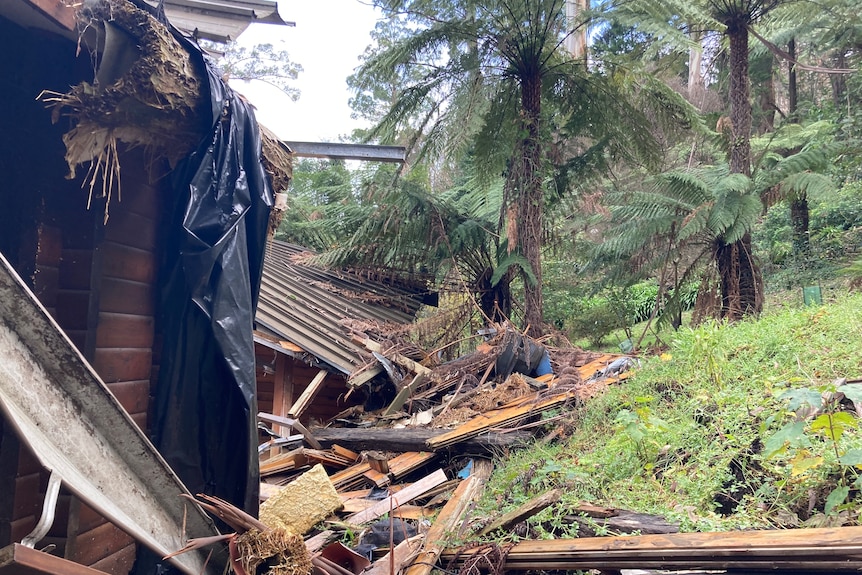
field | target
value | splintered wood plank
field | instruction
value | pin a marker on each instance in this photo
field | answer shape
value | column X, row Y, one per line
column 404, row 463
column 347, row 477
column 308, row 395
column 289, row 422
column 377, row 478
column 285, row 462
column 823, row 549
column 405, row 393
column 525, row 511
column 497, row 418
column 351, row 456
column 467, row 491
column 393, row 561
column 404, row 496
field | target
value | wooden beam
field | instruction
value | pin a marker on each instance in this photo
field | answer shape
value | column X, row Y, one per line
column 60, row 12
column 405, row 495
column 16, row 559
column 308, row 395
column 405, row 393
column 334, row 151
column 467, row 491
column 401, row 360
column 415, row 439
column 525, row 511
column 496, row 418
column 288, row 422
column 826, row 549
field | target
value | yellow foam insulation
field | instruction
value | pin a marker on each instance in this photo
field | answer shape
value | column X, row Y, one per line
column 301, row 504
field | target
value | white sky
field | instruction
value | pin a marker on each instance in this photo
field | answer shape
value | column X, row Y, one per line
column 327, row 41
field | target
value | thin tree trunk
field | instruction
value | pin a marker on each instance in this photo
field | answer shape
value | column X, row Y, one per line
column 741, row 282
column 838, row 81
column 695, row 66
column 792, row 88
column 531, row 202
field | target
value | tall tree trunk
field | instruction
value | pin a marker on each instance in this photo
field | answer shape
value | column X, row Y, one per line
column 576, row 41
column 741, row 282
column 531, row 202
column 792, row 88
column 838, row 81
column 695, row 66
column 799, row 215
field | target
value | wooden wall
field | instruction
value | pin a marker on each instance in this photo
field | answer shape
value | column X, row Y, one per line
column 99, row 280
column 281, row 379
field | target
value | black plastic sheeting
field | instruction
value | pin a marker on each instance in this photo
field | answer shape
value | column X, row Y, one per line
column 204, row 409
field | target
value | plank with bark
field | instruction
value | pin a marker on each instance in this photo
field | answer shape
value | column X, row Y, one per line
column 404, row 496
column 395, row 357
column 415, row 439
column 824, row 549
column 624, row 522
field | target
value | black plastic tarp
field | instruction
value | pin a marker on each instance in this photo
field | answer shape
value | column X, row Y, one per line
column 204, row 407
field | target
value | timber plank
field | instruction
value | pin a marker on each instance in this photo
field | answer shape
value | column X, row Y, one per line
column 414, row 439
column 467, row 491
column 825, row 549
column 403, row 496
column 16, row 559
column 308, row 395
column 497, row 418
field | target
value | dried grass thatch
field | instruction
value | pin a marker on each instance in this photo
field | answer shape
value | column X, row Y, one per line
column 147, row 92
column 276, row 551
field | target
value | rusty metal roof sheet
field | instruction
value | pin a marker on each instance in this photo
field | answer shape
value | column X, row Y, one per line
column 308, row 306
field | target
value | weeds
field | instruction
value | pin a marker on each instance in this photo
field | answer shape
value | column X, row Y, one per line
column 735, row 426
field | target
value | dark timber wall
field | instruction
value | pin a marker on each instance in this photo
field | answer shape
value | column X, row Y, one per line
column 99, row 280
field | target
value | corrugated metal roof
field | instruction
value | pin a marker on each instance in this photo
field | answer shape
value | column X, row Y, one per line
column 219, row 20
column 307, row 306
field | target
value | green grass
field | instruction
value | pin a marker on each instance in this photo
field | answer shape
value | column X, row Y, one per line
column 687, row 437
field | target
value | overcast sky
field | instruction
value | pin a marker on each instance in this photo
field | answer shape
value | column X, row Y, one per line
column 327, row 41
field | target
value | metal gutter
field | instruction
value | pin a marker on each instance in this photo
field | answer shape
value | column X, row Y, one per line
column 77, row 429
column 339, row 151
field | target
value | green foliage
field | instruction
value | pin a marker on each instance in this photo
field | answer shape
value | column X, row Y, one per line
column 261, row 62
column 707, row 433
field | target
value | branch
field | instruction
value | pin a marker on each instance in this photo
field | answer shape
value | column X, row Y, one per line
column 786, row 56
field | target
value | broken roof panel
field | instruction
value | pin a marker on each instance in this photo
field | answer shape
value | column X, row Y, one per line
column 309, row 306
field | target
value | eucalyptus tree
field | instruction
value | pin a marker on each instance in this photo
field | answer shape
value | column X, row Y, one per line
column 496, row 80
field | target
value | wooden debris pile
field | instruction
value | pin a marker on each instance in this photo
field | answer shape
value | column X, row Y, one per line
column 426, row 452
column 402, row 480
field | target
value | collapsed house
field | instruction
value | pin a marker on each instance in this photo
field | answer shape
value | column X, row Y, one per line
column 136, row 207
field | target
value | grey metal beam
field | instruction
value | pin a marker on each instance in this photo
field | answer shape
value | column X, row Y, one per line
column 333, row 151
column 78, row 430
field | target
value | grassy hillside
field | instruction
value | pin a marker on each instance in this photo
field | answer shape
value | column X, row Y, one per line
column 735, row 426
